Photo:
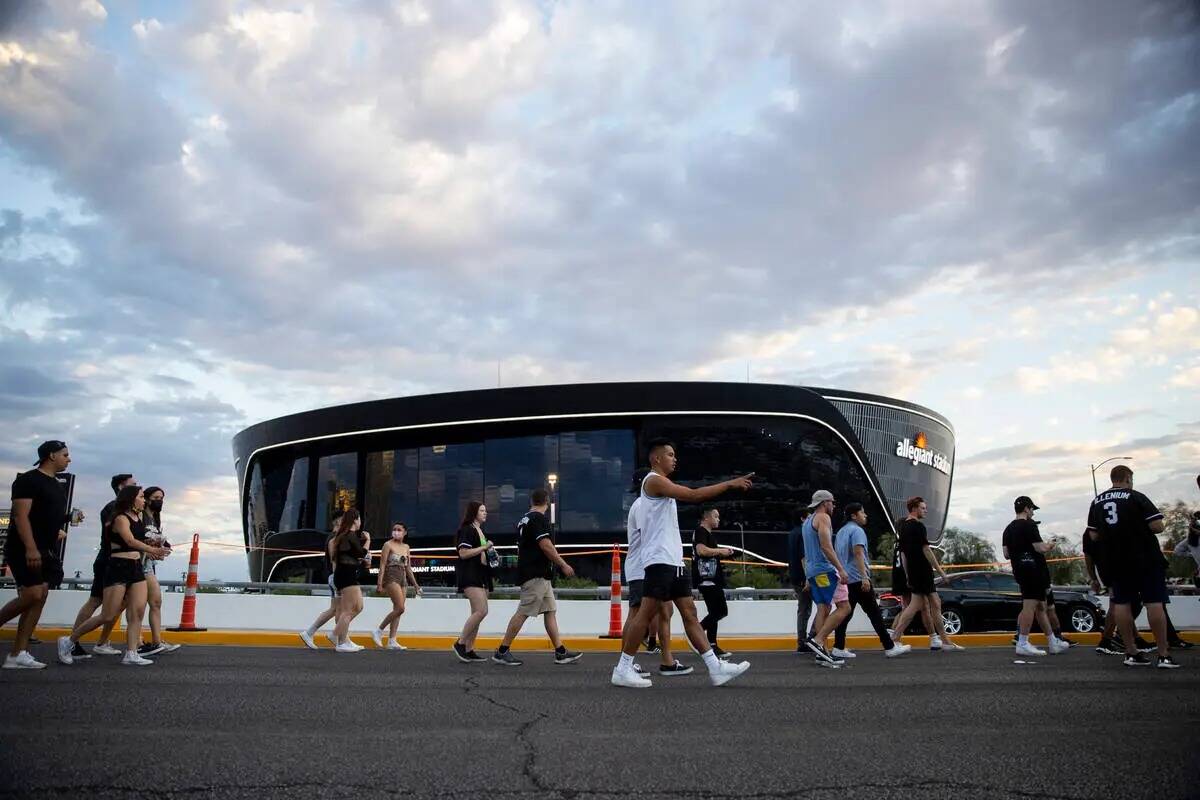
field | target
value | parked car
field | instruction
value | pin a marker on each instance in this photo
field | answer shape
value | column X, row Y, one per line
column 991, row 601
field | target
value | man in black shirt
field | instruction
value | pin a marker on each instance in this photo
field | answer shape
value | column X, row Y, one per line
column 1127, row 523
column 709, row 575
column 919, row 564
column 1025, row 551
column 39, row 515
column 535, row 554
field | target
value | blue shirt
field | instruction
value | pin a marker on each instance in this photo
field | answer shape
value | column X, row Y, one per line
column 795, row 549
column 849, row 536
column 814, row 557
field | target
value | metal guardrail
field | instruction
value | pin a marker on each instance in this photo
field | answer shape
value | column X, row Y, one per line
column 572, row 593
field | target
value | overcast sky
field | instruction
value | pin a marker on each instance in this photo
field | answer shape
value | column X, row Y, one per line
column 216, row 213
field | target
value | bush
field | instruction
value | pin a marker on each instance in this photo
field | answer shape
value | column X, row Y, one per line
column 756, row 577
column 574, row 583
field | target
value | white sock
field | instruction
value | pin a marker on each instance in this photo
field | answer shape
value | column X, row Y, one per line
column 626, row 661
column 711, row 661
column 1023, row 640
column 311, row 631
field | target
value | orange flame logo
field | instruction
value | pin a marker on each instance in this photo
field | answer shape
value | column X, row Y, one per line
column 922, row 442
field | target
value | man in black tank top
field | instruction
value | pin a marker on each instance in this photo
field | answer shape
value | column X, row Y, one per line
column 96, row 595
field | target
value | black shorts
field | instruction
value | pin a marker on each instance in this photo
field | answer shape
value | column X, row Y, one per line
column 1146, row 586
column 921, row 583
column 345, row 575
column 123, row 572
column 667, row 582
column 98, row 568
column 50, row 572
column 1035, row 585
column 635, row 593
column 899, row 581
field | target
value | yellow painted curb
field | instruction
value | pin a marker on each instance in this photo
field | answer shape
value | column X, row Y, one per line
column 432, row 641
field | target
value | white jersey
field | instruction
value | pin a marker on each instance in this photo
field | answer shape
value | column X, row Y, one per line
column 634, row 568
column 660, row 540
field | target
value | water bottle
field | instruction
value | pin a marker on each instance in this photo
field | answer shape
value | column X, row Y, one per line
column 493, row 558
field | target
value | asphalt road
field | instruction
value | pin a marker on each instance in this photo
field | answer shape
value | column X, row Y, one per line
column 284, row 723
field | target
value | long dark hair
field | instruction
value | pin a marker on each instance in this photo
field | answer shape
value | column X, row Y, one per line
column 349, row 517
column 470, row 514
column 125, row 498
column 149, row 512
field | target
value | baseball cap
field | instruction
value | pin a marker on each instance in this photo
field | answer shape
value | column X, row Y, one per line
column 49, row 448
column 1022, row 503
column 820, row 496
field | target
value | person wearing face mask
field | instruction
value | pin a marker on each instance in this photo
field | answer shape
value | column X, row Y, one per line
column 395, row 574
column 349, row 551
column 152, row 519
column 125, row 582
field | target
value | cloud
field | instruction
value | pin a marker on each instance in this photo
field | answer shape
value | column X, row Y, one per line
column 282, row 207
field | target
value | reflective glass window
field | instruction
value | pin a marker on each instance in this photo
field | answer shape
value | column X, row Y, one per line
column 595, row 472
column 449, row 477
column 337, row 487
column 513, row 468
column 256, row 509
column 1002, row 582
column 972, row 583
column 391, row 491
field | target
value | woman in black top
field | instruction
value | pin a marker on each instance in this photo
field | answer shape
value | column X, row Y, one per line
column 349, row 552
column 473, row 574
column 124, row 580
column 152, row 519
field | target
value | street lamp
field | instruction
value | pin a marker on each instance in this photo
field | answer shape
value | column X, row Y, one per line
column 1095, row 489
column 552, row 479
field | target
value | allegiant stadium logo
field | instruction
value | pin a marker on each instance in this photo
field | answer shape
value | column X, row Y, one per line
column 918, row 452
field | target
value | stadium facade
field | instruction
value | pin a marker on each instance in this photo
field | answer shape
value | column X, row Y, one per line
column 421, row 459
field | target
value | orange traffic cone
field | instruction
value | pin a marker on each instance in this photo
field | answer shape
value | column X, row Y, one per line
column 614, row 607
column 187, row 619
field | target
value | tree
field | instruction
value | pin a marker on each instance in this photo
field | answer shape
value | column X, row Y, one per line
column 964, row 547
column 1065, row 573
column 1177, row 517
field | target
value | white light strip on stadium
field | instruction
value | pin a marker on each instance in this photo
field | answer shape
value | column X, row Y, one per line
column 545, row 417
column 889, row 405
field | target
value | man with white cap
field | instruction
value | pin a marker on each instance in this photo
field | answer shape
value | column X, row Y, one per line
column 826, row 576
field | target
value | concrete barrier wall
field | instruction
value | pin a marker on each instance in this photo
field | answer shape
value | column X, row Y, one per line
column 575, row 617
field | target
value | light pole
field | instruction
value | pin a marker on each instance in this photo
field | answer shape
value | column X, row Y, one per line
column 552, row 479
column 1095, row 489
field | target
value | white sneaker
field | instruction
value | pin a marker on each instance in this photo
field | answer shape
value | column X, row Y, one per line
column 132, row 659
column 65, row 646
column 377, row 637
column 22, row 660
column 347, row 647
column 727, row 671
column 897, row 650
column 167, row 647
column 394, row 645
column 354, row 644
column 105, row 649
column 307, row 638
column 1057, row 646
column 838, row 652
column 629, row 679
column 935, row 643
column 952, row 647
column 1029, row 650
column 332, row 639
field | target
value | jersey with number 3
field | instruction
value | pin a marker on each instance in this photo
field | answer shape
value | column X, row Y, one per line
column 1122, row 517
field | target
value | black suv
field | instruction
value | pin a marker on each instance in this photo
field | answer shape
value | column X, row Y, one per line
column 991, row 601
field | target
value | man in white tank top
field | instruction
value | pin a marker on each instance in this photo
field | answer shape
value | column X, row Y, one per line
column 635, row 571
column 660, row 555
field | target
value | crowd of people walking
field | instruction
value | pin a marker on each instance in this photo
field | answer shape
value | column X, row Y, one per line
column 828, row 569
